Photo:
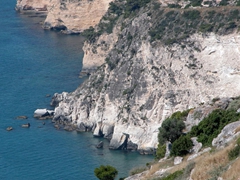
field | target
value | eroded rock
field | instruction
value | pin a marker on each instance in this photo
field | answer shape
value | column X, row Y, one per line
column 228, row 133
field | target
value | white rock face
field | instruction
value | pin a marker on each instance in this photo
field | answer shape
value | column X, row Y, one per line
column 36, row 5
column 75, row 15
column 178, row 160
column 196, row 145
column 72, row 16
column 227, row 135
column 168, row 82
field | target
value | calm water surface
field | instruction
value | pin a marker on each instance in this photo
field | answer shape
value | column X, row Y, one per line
column 34, row 63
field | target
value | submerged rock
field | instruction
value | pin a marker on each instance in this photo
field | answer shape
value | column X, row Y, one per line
column 9, row 128
column 99, row 145
column 22, row 117
column 26, row 125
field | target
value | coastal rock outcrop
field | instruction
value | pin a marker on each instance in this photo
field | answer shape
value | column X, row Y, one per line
column 75, row 16
column 43, row 114
column 70, row 16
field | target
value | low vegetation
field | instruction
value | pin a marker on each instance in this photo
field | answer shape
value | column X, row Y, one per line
column 212, row 125
column 211, row 165
column 172, row 131
column 175, row 26
column 105, row 172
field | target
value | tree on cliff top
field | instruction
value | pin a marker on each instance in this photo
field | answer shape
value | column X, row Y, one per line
column 105, row 172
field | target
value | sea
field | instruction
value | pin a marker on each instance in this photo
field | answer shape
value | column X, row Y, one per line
column 34, row 64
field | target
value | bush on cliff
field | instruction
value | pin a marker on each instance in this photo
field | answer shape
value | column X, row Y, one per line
column 235, row 152
column 105, row 172
column 181, row 146
column 170, row 130
column 172, row 127
column 212, row 125
column 161, row 151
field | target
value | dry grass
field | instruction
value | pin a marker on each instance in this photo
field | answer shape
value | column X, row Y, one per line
column 208, row 165
column 233, row 173
column 156, row 167
column 210, row 162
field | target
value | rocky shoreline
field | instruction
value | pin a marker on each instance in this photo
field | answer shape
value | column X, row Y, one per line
column 136, row 81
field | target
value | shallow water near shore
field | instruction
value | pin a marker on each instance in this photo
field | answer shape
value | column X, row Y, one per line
column 34, row 63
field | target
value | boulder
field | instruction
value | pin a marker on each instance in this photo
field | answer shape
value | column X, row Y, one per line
column 193, row 156
column 26, row 125
column 131, row 146
column 196, row 145
column 9, row 128
column 99, row 145
column 228, row 133
column 57, row 126
column 43, row 114
column 178, row 160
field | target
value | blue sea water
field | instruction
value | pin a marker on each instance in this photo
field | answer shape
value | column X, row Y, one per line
column 33, row 63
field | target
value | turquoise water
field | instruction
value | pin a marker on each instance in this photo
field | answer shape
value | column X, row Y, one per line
column 34, row 63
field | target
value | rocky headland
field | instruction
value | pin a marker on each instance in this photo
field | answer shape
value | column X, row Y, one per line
column 148, row 59
column 140, row 78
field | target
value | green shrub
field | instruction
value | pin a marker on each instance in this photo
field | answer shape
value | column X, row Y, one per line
column 114, row 8
column 195, row 3
column 174, row 6
column 180, row 115
column 105, row 172
column 161, row 151
column 133, row 5
column 234, row 105
column 191, row 14
column 170, row 130
column 238, row 141
column 173, row 176
column 181, row 146
column 223, row 3
column 238, row 3
column 234, row 153
column 90, row 34
column 212, row 125
column 206, row 28
column 111, row 65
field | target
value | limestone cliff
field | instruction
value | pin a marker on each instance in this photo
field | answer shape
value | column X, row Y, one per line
column 71, row 16
column 75, row 15
column 37, row 5
column 142, row 77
